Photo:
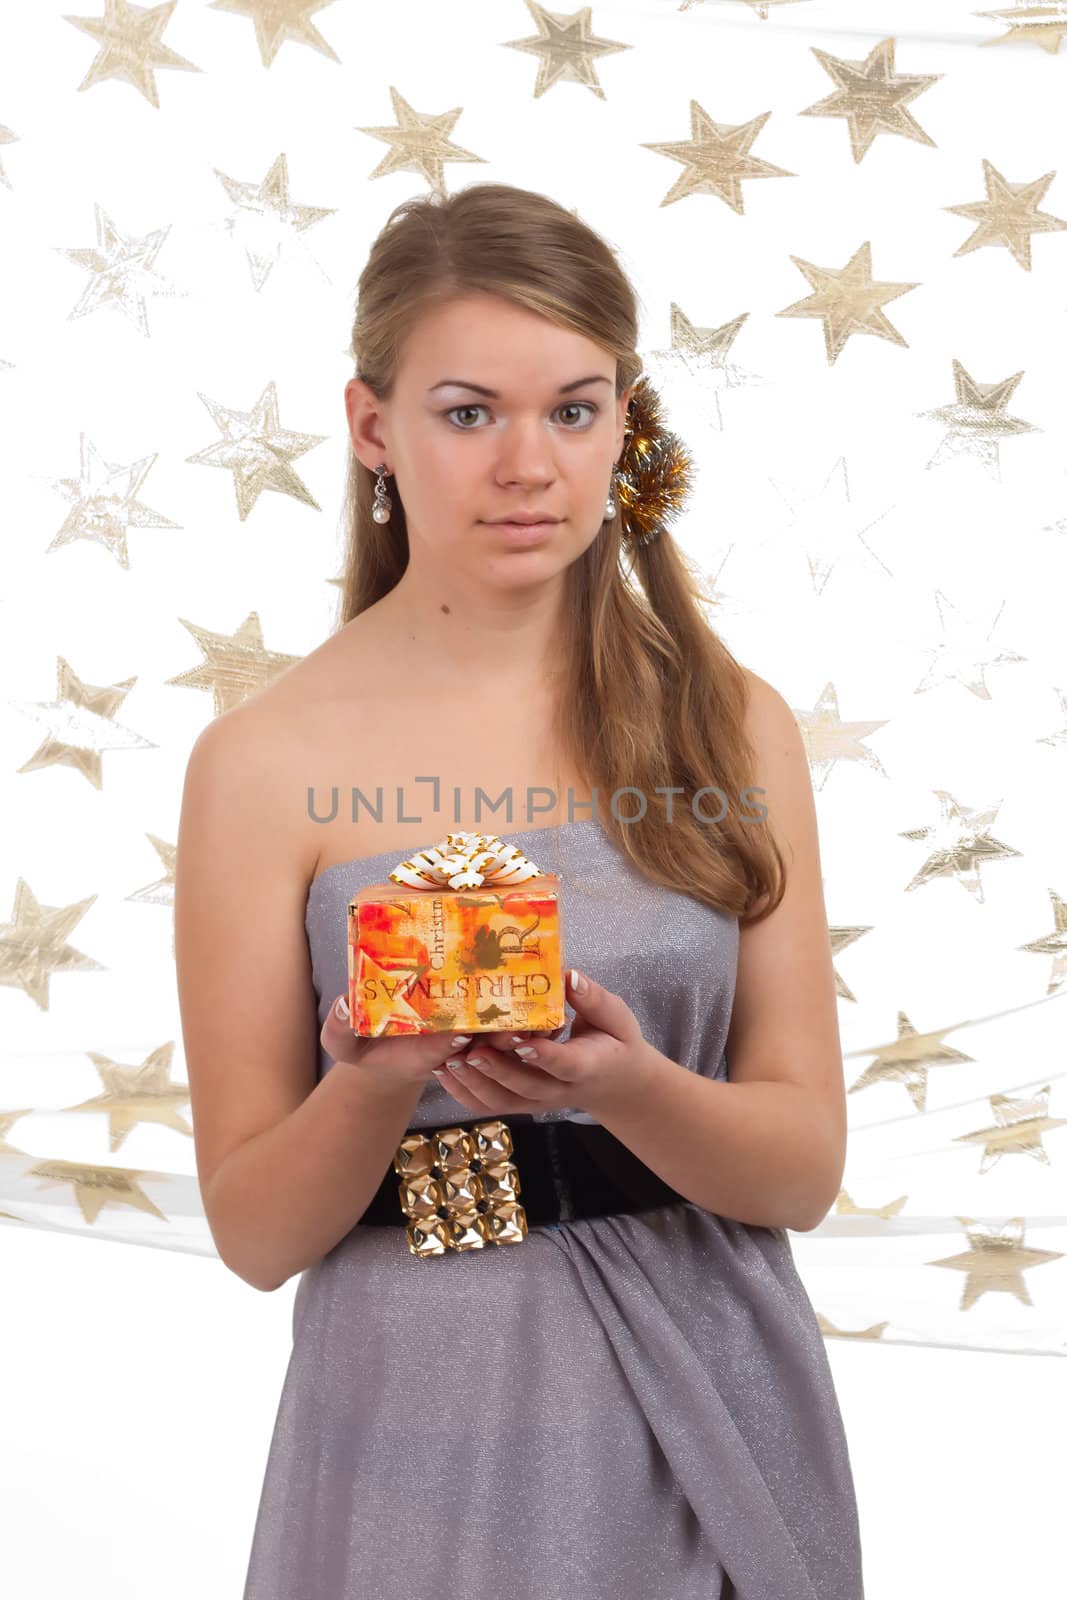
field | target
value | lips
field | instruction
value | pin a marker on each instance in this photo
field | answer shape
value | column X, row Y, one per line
column 523, row 535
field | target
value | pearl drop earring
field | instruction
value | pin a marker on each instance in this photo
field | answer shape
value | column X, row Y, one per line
column 611, row 508
column 382, row 503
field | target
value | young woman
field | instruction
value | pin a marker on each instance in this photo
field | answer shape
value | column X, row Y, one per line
column 634, row 1398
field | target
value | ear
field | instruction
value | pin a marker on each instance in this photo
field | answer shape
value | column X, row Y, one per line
column 363, row 411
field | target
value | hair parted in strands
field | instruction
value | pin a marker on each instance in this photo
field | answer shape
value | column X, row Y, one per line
column 651, row 698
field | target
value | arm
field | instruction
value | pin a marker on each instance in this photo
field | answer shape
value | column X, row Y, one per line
column 768, row 1146
column 758, row 1152
column 280, row 1201
column 287, row 1164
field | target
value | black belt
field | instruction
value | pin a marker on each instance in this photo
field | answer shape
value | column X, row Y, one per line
column 565, row 1170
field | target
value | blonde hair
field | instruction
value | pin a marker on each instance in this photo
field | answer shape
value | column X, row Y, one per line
column 649, row 695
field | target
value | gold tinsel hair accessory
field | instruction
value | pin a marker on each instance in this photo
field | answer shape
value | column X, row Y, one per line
column 653, row 480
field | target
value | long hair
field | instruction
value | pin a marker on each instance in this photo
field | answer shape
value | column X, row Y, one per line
column 650, row 697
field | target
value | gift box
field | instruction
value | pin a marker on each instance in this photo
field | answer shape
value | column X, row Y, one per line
column 465, row 937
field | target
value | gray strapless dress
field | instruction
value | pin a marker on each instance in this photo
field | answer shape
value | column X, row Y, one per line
column 618, row 1407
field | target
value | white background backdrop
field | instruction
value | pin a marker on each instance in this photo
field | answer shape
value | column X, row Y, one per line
column 140, row 1385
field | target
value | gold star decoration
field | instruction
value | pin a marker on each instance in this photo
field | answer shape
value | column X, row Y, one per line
column 871, row 98
column 257, row 450
column 34, row 946
column 7, row 1121
column 908, row 1059
column 963, row 655
column 828, row 740
column 278, row 20
column 978, row 419
column 716, row 158
column 420, row 143
column 962, row 844
column 122, row 268
column 848, row 301
column 133, row 1095
column 104, row 503
column 840, row 939
column 264, row 217
column 131, row 47
column 995, row 1260
column 81, row 725
column 565, row 48
column 6, row 137
column 1053, row 944
column 1019, row 1126
column 704, row 352
column 845, row 1206
column 96, row 1186
column 830, row 1330
column 708, row 346
column 235, row 665
column 1008, row 215
column 1044, row 24
column 161, row 892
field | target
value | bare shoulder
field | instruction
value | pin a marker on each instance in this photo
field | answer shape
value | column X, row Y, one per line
column 781, row 757
column 241, row 774
column 768, row 711
column 256, row 759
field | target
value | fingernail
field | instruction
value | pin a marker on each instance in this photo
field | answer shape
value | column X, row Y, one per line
column 438, row 1072
column 461, row 1038
column 526, row 1051
column 518, row 1038
column 476, row 1061
column 342, row 1010
column 578, row 983
column 453, row 1063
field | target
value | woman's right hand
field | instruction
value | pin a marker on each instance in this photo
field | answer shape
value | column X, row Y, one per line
column 405, row 1057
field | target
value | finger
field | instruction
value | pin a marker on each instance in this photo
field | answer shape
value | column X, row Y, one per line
column 474, row 1088
column 337, row 1038
column 509, row 1071
column 605, row 1010
column 342, row 1043
column 461, row 1087
column 539, row 1054
column 507, row 1040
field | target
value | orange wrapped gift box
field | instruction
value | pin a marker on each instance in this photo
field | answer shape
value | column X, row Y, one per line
column 466, row 937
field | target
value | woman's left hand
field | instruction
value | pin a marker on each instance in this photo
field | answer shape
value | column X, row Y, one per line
column 606, row 1059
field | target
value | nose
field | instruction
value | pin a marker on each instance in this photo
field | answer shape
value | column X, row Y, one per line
column 526, row 454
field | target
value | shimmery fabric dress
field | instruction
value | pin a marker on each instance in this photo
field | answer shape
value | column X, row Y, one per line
column 615, row 1408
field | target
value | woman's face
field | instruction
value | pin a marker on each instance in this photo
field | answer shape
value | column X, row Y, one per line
column 544, row 440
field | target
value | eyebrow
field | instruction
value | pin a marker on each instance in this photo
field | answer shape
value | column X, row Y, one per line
column 491, row 394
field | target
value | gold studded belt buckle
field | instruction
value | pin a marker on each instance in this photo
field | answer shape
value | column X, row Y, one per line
column 458, row 1188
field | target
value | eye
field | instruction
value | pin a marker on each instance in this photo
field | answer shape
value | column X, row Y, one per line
column 568, row 405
